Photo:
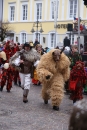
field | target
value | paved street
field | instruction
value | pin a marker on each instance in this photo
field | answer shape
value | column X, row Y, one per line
column 35, row 115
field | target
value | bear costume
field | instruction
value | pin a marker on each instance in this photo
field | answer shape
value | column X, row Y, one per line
column 53, row 71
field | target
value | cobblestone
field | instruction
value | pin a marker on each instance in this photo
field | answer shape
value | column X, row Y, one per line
column 35, row 115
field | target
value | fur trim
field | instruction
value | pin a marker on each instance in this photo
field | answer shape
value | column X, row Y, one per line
column 31, row 55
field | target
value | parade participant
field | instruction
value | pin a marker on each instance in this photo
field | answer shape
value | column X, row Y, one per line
column 2, row 61
column 2, row 58
column 53, row 70
column 35, row 79
column 27, row 57
column 74, row 56
column 77, row 80
column 78, row 118
column 16, row 72
column 8, row 74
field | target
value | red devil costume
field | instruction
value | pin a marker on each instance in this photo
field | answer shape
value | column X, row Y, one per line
column 8, row 74
column 77, row 81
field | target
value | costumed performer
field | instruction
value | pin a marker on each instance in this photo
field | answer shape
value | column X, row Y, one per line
column 24, row 63
column 53, row 70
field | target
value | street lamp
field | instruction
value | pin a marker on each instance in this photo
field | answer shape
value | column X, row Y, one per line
column 37, row 24
column 79, row 26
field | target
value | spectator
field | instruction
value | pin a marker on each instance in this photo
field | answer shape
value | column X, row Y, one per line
column 81, row 48
column 66, row 42
column 84, row 55
column 67, row 51
column 57, row 47
column 36, row 42
column 18, row 43
column 78, row 119
column 74, row 56
column 46, row 49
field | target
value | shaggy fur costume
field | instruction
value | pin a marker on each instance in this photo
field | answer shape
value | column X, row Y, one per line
column 59, row 72
column 31, row 56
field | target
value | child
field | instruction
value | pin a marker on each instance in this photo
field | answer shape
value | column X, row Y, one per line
column 78, row 119
column 74, row 56
column 77, row 81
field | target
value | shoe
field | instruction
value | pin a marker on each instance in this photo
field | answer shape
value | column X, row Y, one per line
column 45, row 101
column 8, row 91
column 15, row 83
column 25, row 94
column 19, row 84
column 38, row 83
column 22, row 88
column 56, row 108
column 25, row 101
column 1, row 89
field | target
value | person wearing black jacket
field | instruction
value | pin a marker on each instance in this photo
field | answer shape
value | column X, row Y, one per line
column 66, row 42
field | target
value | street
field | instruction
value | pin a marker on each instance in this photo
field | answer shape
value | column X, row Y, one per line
column 34, row 115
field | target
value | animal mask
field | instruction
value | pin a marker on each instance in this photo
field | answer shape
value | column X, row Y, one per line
column 56, row 54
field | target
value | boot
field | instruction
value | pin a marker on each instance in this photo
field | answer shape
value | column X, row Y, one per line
column 25, row 94
column 1, row 89
column 56, row 108
column 19, row 83
column 45, row 101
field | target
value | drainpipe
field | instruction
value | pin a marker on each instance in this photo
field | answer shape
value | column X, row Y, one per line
column 79, row 26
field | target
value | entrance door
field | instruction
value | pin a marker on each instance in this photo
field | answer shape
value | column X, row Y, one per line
column 85, row 39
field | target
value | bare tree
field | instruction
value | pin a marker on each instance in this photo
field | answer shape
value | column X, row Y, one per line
column 6, row 29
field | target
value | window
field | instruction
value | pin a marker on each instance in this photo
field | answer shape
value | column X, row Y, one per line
column 24, row 12
column 73, row 8
column 23, row 37
column 37, row 36
column 12, row 13
column 38, row 11
column 52, row 39
column 52, row 10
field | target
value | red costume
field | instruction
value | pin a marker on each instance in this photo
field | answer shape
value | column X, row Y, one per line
column 8, row 74
column 77, row 81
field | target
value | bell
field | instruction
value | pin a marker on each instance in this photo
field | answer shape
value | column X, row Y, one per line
column 6, row 65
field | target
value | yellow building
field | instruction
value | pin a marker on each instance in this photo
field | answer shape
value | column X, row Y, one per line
column 23, row 13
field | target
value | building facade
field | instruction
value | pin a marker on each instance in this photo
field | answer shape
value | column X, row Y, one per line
column 1, row 11
column 21, row 15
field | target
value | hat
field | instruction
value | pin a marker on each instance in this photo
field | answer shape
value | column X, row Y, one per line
column 3, row 55
column 26, row 44
column 31, row 44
